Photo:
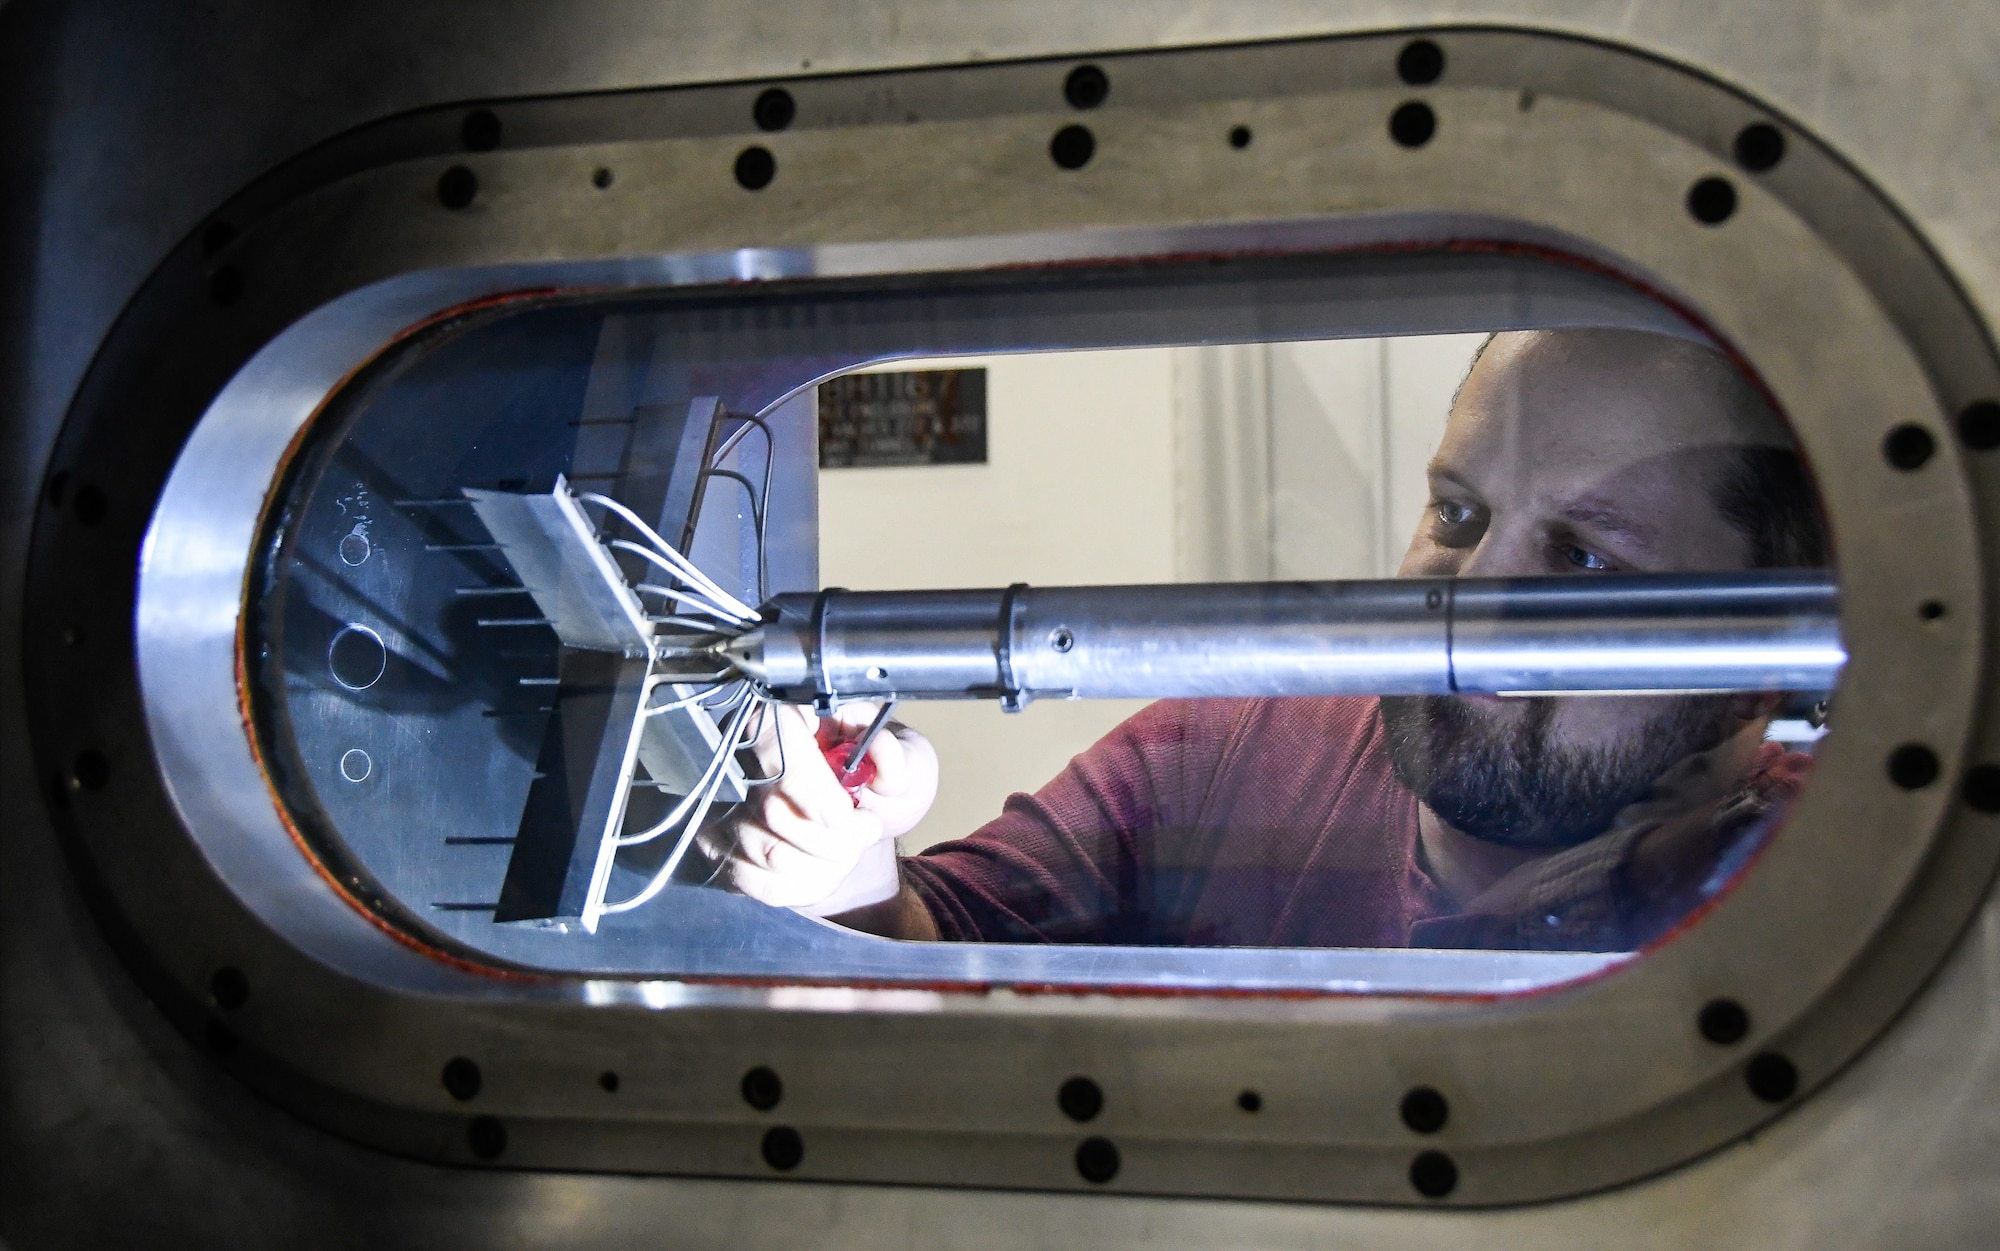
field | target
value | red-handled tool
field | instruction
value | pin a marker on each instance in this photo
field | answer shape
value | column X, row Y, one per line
column 849, row 760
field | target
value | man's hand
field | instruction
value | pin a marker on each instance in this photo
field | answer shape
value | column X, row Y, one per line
column 801, row 841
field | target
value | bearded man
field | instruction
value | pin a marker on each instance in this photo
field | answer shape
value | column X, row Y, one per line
column 1565, row 823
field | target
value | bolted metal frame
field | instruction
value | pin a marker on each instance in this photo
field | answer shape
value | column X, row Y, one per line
column 1532, row 140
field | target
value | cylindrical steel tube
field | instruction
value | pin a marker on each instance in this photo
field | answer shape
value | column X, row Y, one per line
column 1768, row 630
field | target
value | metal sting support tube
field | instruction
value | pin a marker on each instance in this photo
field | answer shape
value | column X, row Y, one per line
column 1770, row 630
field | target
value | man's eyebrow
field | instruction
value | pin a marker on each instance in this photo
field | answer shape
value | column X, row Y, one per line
column 1603, row 515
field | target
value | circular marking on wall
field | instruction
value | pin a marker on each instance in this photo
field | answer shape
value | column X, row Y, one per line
column 356, row 765
column 355, row 548
column 357, row 657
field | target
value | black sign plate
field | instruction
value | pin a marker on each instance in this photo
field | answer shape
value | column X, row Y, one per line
column 919, row 417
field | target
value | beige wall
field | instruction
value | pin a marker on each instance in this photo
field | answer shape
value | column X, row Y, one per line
column 1123, row 467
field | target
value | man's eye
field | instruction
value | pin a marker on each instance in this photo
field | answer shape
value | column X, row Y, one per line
column 1582, row 559
column 1453, row 513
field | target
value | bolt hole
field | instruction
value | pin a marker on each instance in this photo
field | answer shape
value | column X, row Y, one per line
column 1239, row 137
column 462, row 1079
column 1979, row 425
column 1062, row 639
column 1250, row 1101
column 357, row 657
column 1097, row 1160
column 774, row 109
column 225, row 285
column 1908, row 446
column 1759, row 146
column 1712, row 201
column 1080, row 1099
column 783, row 1149
column 755, row 168
column 1413, row 124
column 487, row 1137
column 89, row 505
column 761, row 1088
column 608, row 1081
column 1771, row 1077
column 1086, row 87
column 90, row 771
column 1072, row 147
column 1420, row 63
column 218, row 236
column 1424, row 1110
column 456, row 187
column 601, row 178
column 1433, row 1174
column 1913, row 766
column 1981, row 788
column 1931, row 609
column 229, row 988
column 1723, row 1022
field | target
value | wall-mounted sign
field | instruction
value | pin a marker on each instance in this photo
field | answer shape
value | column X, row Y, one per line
column 918, row 417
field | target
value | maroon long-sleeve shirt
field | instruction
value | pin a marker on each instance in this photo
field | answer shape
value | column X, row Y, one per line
column 1275, row 822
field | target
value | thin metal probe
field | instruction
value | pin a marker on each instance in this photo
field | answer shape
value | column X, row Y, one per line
column 859, row 751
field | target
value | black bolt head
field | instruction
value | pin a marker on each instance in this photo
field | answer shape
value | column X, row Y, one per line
column 229, row 988
column 1759, row 146
column 1711, row 201
column 480, row 132
column 89, row 505
column 486, row 1136
column 1097, row 1160
column 762, row 1089
column 1908, row 446
column 90, row 771
column 1913, row 766
column 1979, row 425
column 755, row 168
column 1771, row 1077
column 1723, row 1022
column 1072, row 147
column 1433, row 1174
column 1086, row 87
column 774, row 109
column 1420, row 63
column 225, row 285
column 456, row 187
column 1080, row 1099
column 1981, row 788
column 1413, row 124
column 783, row 1149
column 1425, row 1110
column 461, row 1078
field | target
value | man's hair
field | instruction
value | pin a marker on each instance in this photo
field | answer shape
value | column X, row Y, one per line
column 1766, row 493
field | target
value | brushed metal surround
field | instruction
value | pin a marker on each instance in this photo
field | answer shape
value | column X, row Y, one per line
column 1815, row 281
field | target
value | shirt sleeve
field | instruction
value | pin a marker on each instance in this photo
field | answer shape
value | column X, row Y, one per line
column 1073, row 863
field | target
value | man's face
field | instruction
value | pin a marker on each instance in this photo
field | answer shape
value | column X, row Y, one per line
column 1582, row 453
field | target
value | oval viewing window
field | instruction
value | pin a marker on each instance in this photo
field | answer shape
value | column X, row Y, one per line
column 1430, row 660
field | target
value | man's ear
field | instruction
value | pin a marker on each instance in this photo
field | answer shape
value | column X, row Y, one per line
column 1755, row 705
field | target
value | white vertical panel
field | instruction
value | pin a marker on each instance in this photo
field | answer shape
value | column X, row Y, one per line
column 1326, row 459
column 1222, row 463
